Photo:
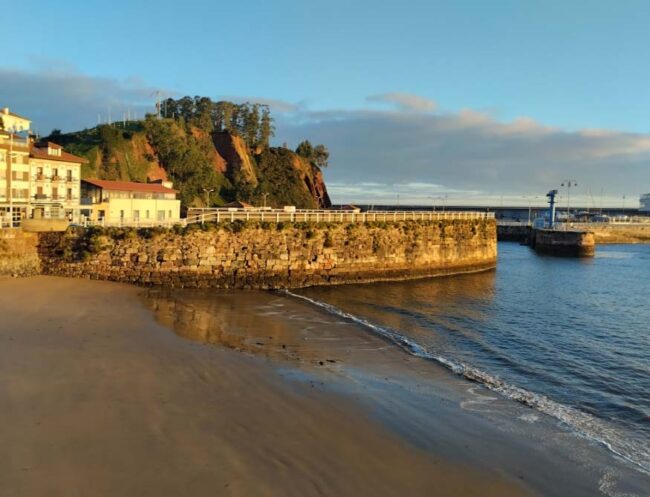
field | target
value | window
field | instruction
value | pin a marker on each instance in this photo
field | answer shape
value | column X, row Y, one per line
column 122, row 215
column 147, row 216
column 55, row 193
column 169, row 215
column 69, row 194
column 161, row 215
column 55, row 173
column 136, row 215
column 39, row 173
column 68, row 175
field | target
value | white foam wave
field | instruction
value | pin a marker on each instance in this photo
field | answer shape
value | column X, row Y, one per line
column 584, row 424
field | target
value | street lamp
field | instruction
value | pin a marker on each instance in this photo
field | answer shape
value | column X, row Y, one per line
column 568, row 183
column 530, row 200
column 207, row 196
column 265, row 195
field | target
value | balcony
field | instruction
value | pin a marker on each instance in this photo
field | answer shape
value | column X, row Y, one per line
column 40, row 196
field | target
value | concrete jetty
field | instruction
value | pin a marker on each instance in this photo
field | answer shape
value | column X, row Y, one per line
column 563, row 243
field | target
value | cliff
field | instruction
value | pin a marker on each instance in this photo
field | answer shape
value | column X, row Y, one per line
column 194, row 159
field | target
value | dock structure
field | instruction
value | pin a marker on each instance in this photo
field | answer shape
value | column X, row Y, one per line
column 563, row 243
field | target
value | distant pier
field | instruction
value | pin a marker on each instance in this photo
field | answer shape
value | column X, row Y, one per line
column 563, row 243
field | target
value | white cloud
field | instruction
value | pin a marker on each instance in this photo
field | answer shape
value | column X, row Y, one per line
column 406, row 102
column 470, row 153
column 65, row 99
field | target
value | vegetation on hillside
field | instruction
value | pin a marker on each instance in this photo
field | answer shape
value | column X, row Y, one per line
column 184, row 149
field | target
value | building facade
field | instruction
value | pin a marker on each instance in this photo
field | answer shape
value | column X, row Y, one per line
column 37, row 180
column 645, row 203
column 129, row 203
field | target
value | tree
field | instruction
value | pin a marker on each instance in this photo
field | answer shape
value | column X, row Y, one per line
column 320, row 156
column 267, row 130
column 305, row 149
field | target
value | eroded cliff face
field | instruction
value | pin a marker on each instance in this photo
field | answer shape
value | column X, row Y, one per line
column 237, row 156
column 312, row 177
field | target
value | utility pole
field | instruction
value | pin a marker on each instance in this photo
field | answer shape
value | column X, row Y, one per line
column 568, row 183
column 9, row 173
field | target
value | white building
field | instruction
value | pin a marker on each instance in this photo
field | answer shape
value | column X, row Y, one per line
column 126, row 202
column 645, row 203
column 55, row 182
column 37, row 180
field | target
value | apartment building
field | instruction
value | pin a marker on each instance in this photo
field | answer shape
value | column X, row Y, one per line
column 37, row 179
column 55, row 188
column 127, row 202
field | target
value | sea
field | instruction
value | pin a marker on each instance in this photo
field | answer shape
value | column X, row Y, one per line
column 539, row 369
column 569, row 338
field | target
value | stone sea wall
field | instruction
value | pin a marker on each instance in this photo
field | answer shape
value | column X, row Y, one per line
column 18, row 253
column 564, row 243
column 618, row 232
column 240, row 255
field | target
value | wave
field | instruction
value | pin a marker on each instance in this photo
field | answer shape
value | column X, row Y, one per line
column 584, row 424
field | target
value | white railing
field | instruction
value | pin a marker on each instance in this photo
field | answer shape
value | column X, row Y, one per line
column 278, row 215
column 133, row 223
column 326, row 216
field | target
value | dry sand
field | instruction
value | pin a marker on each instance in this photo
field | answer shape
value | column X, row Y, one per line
column 97, row 399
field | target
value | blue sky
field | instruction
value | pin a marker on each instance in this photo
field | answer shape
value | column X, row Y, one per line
column 566, row 66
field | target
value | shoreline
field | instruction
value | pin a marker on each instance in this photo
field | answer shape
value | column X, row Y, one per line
column 104, row 402
column 317, row 403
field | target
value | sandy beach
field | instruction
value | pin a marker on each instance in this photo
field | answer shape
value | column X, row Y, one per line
column 98, row 398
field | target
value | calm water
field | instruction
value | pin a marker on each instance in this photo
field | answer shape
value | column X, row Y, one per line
column 568, row 337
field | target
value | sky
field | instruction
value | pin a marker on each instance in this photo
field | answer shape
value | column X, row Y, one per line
column 479, row 102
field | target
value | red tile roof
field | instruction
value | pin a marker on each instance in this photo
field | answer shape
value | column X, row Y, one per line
column 129, row 186
column 48, row 144
column 41, row 153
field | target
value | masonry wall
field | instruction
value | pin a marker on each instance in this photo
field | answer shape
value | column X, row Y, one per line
column 236, row 255
column 18, row 253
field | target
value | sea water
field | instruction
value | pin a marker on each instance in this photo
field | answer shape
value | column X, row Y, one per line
column 568, row 337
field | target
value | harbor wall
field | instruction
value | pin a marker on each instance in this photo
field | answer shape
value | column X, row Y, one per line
column 263, row 255
column 18, row 253
column 564, row 243
column 513, row 232
column 605, row 233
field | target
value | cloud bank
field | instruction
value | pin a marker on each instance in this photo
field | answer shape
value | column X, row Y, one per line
column 470, row 155
column 400, row 144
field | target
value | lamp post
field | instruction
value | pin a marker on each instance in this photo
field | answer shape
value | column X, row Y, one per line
column 530, row 199
column 207, row 196
column 568, row 183
column 264, row 195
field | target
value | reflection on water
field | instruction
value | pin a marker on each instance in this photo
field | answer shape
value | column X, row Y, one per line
column 266, row 323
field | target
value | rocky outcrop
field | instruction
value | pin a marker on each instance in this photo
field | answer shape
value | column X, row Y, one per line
column 235, row 255
column 312, row 177
column 237, row 156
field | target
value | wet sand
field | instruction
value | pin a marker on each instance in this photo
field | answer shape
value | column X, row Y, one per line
column 98, row 398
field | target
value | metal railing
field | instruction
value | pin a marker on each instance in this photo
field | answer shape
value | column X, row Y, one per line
column 326, row 216
column 278, row 215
